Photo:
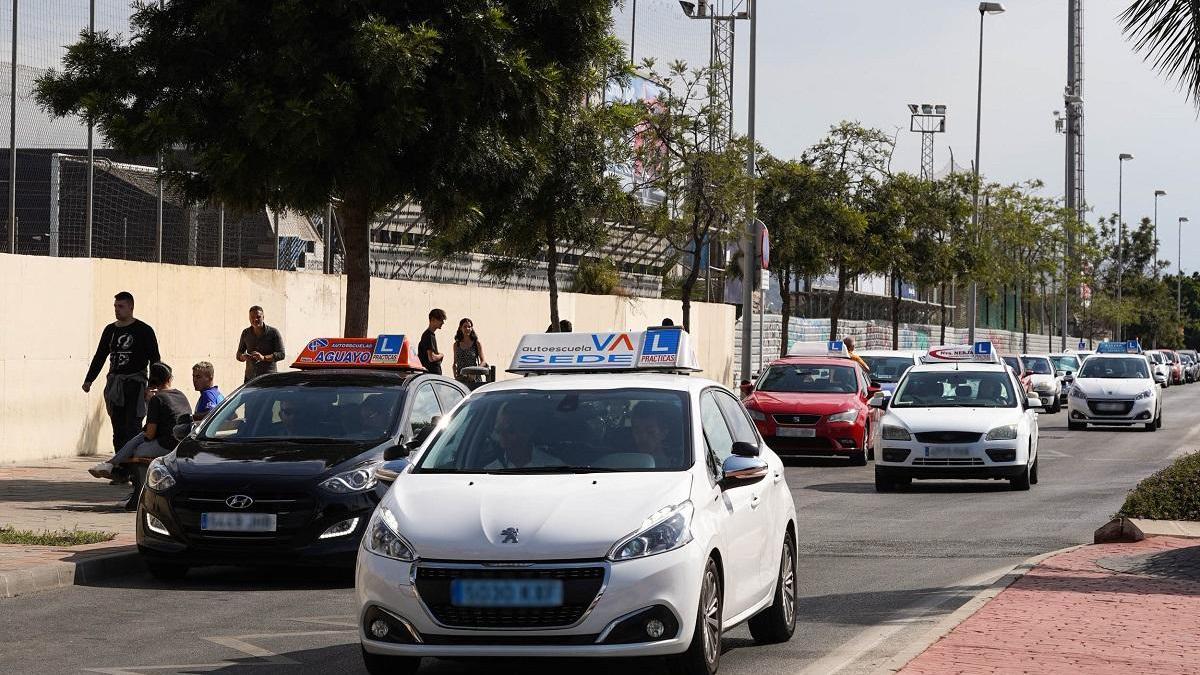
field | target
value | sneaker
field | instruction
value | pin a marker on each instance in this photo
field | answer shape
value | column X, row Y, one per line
column 101, row 470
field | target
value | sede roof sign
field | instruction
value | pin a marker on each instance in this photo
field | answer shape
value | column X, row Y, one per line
column 980, row 352
column 388, row 352
column 1127, row 347
column 655, row 349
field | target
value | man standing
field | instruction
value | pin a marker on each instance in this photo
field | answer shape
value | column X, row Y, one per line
column 260, row 346
column 210, row 395
column 849, row 342
column 130, row 346
column 427, row 349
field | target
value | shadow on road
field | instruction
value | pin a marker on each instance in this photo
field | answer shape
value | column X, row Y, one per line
column 831, row 462
column 238, row 579
column 918, row 487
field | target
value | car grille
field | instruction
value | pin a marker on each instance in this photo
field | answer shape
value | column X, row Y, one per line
column 1126, row 406
column 797, row 419
column 581, row 586
column 947, row 461
column 294, row 513
column 948, row 437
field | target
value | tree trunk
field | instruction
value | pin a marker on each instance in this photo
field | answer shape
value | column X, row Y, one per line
column 839, row 302
column 942, row 319
column 689, row 283
column 552, row 273
column 785, row 288
column 356, row 227
column 895, row 312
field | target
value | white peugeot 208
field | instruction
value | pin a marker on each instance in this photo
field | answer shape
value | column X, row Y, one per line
column 610, row 506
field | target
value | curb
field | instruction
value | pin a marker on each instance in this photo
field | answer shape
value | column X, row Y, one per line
column 953, row 619
column 60, row 574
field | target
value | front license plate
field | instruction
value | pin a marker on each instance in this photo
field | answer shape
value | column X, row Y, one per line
column 238, row 522
column 796, row 433
column 947, row 451
column 506, row 593
column 1110, row 407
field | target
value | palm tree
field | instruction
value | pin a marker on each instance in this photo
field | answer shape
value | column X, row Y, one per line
column 1167, row 33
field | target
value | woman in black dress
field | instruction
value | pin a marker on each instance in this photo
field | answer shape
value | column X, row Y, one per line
column 468, row 351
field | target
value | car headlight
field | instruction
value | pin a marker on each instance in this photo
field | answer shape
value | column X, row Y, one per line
column 844, row 416
column 757, row 415
column 1076, row 392
column 891, row 432
column 159, row 477
column 354, row 480
column 383, row 537
column 666, row 530
column 1144, row 395
column 1008, row 432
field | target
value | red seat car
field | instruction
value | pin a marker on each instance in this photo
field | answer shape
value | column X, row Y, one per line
column 815, row 405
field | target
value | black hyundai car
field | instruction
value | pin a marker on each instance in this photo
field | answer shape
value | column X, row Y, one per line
column 284, row 470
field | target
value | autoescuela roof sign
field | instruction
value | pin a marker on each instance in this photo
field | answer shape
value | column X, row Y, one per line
column 1126, row 347
column 667, row 348
column 980, row 352
column 384, row 352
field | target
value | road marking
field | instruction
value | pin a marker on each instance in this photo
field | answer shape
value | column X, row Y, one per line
column 260, row 656
column 870, row 638
column 336, row 620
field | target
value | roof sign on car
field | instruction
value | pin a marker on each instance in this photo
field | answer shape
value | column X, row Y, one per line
column 655, row 349
column 390, row 352
column 980, row 352
column 1126, row 347
column 831, row 348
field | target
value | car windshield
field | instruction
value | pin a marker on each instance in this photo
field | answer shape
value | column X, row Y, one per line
column 955, row 389
column 1014, row 363
column 806, row 378
column 1114, row 368
column 1067, row 363
column 888, row 368
column 571, row 431
column 1037, row 365
column 307, row 412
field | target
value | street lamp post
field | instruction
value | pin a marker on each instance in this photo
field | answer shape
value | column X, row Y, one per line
column 1179, row 266
column 1157, row 194
column 1122, row 158
column 985, row 8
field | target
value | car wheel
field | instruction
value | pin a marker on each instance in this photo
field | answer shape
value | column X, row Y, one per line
column 1153, row 424
column 777, row 622
column 1033, row 472
column 1158, row 422
column 870, row 445
column 703, row 655
column 1077, row 426
column 164, row 571
column 1020, row 481
column 858, row 458
column 381, row 664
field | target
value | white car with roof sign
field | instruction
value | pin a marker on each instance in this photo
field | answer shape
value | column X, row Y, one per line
column 1115, row 387
column 961, row 414
column 888, row 366
column 610, row 506
column 1043, row 381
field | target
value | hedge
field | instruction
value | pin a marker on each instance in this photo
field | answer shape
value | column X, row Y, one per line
column 1170, row 494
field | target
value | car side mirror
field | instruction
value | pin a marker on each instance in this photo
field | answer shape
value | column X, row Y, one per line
column 1060, row 373
column 744, row 449
column 879, row 400
column 874, row 387
column 395, row 452
column 388, row 471
column 1033, row 402
column 737, row 471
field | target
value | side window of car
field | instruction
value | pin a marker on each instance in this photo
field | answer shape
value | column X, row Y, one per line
column 449, row 396
column 424, row 409
column 739, row 423
column 716, row 431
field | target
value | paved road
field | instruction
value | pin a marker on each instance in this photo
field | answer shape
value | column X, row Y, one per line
column 876, row 572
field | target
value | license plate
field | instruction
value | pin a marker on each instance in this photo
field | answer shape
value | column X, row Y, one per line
column 238, row 522
column 796, row 433
column 506, row 593
column 947, row 451
column 1110, row 407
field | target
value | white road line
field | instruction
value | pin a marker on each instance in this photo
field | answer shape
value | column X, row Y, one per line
column 260, row 656
column 336, row 620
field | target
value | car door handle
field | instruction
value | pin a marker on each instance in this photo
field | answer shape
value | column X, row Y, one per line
column 778, row 476
column 755, row 501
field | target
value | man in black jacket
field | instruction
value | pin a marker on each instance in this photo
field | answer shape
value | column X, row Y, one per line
column 130, row 347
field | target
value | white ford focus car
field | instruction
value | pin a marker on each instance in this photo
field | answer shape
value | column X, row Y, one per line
column 1115, row 388
column 598, row 509
column 961, row 414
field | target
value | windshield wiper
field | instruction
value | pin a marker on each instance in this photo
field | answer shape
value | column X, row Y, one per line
column 552, row 469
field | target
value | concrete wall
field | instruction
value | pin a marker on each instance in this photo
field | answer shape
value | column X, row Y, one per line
column 55, row 308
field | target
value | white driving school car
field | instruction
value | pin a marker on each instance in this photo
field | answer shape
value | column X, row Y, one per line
column 1115, row 387
column 608, row 506
column 961, row 414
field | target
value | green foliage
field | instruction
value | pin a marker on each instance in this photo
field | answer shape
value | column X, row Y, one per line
column 53, row 537
column 1171, row 494
column 596, row 276
column 1167, row 32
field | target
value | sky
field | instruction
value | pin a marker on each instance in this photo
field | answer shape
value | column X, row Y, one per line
column 821, row 61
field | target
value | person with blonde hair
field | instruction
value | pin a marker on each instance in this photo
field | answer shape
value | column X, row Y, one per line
column 210, row 395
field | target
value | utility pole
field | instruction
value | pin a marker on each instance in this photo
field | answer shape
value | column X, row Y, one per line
column 91, row 155
column 927, row 119
column 12, row 140
column 749, row 252
column 1179, row 266
column 1121, row 159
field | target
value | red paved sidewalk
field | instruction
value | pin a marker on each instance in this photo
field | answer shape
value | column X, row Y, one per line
column 1070, row 615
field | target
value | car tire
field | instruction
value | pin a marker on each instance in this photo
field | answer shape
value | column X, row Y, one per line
column 883, row 483
column 1033, row 472
column 703, row 655
column 1158, row 422
column 1077, row 426
column 870, row 446
column 858, row 458
column 777, row 623
column 164, row 571
column 1021, row 481
column 381, row 664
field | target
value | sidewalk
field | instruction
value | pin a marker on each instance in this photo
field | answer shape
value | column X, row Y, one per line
column 1107, row 608
column 60, row 495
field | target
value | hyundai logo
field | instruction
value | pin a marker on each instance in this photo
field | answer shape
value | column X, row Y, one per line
column 239, row 502
column 510, row 535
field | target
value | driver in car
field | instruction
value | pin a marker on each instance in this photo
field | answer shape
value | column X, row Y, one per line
column 651, row 434
column 513, row 435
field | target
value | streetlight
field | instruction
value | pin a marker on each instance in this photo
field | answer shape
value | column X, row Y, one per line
column 1179, row 266
column 1122, row 158
column 1157, row 194
column 985, row 8
column 927, row 119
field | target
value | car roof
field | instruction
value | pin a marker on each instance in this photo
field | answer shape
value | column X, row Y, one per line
column 965, row 367
column 1121, row 356
column 331, row 375
column 907, row 353
column 815, row 360
column 568, row 381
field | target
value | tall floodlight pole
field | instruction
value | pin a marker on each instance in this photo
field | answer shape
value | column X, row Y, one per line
column 749, row 254
column 633, row 32
column 1157, row 194
column 91, row 155
column 1121, row 159
column 927, row 119
column 12, row 140
column 985, row 8
column 1179, row 266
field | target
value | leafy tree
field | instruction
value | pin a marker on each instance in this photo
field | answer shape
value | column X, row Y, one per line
column 1167, row 33
column 362, row 103
column 596, row 276
column 941, row 247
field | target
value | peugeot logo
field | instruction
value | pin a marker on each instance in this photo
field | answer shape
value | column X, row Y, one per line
column 239, row 502
column 509, row 534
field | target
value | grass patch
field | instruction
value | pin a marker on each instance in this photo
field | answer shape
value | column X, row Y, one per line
column 58, row 538
column 1170, row 494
